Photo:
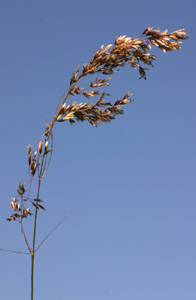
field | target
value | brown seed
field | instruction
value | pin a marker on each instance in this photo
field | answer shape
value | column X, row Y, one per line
column 46, row 146
column 21, row 187
column 33, row 168
column 29, row 160
column 40, row 147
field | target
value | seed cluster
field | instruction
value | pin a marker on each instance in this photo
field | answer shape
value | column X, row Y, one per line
column 106, row 61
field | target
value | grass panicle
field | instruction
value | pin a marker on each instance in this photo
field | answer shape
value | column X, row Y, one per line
column 105, row 62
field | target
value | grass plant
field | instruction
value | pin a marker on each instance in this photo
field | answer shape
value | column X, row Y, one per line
column 106, row 61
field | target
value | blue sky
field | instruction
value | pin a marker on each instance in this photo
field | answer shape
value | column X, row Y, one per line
column 128, row 186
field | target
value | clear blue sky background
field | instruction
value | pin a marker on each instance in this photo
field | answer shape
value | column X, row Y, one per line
column 128, row 186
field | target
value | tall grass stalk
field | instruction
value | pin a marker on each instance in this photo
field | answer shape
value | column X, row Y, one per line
column 106, row 61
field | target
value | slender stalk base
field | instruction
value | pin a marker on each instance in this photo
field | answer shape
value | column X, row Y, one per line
column 32, row 272
column 34, row 234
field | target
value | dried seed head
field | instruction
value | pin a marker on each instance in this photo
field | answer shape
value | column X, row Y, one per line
column 29, row 148
column 46, row 146
column 26, row 212
column 34, row 155
column 47, row 130
column 133, row 62
column 73, row 78
column 33, row 168
column 77, row 71
column 15, row 204
column 142, row 72
column 20, row 192
column 61, row 109
column 29, row 159
column 91, row 94
column 21, row 189
column 40, row 147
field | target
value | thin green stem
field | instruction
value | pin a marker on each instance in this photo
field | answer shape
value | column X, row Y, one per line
column 34, row 231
